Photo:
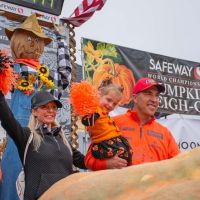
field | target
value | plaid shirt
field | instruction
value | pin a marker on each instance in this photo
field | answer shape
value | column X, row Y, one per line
column 64, row 67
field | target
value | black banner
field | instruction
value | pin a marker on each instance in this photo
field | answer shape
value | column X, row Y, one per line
column 48, row 6
column 180, row 77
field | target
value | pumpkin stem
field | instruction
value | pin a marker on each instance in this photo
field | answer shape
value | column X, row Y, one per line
column 111, row 63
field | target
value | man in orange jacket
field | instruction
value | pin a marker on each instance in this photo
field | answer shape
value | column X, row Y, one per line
column 150, row 141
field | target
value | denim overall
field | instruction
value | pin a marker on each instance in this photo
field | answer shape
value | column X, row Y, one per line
column 11, row 163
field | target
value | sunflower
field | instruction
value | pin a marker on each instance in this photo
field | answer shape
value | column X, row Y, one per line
column 24, row 85
column 43, row 70
column 47, row 82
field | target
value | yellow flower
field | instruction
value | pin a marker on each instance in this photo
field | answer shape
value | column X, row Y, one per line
column 49, row 83
column 24, row 85
column 42, row 70
column 91, row 52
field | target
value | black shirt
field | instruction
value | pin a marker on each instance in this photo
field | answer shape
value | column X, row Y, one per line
column 53, row 160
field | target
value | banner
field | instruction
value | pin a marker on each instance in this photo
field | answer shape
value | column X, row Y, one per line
column 24, row 11
column 184, row 129
column 125, row 66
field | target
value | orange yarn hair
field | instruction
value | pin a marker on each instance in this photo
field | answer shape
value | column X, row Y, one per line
column 84, row 98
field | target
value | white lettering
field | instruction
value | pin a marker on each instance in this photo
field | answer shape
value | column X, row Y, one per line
column 170, row 68
column 197, row 106
column 152, row 63
column 183, row 105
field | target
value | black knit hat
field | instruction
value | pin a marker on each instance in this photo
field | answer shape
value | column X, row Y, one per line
column 43, row 97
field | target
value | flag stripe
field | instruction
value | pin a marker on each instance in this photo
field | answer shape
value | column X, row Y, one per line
column 85, row 11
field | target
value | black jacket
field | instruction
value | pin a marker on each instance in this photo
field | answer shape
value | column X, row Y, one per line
column 52, row 162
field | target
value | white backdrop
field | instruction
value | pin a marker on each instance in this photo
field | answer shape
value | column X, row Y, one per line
column 185, row 129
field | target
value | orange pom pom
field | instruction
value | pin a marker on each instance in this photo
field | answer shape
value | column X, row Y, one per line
column 7, row 80
column 7, row 75
column 84, row 98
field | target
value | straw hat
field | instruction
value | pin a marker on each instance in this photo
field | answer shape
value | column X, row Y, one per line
column 30, row 24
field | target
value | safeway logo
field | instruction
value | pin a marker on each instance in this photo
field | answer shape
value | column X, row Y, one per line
column 20, row 10
column 197, row 72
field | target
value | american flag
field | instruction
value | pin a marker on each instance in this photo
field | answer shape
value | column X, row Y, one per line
column 84, row 11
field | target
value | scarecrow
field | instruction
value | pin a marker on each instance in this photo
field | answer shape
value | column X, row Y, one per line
column 27, row 43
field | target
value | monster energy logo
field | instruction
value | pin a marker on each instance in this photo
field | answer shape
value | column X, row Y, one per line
column 44, row 2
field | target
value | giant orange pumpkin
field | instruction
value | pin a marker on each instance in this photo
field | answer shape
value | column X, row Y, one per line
column 120, row 75
column 173, row 179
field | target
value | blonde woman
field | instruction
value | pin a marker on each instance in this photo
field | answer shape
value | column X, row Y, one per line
column 49, row 157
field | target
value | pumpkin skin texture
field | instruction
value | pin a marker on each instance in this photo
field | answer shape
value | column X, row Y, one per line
column 119, row 75
column 25, row 44
column 172, row 179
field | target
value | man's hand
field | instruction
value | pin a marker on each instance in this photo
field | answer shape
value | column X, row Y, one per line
column 116, row 162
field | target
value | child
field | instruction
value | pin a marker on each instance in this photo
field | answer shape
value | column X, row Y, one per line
column 105, row 136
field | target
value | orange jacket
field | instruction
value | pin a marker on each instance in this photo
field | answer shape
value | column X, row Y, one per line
column 150, row 142
column 103, row 128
